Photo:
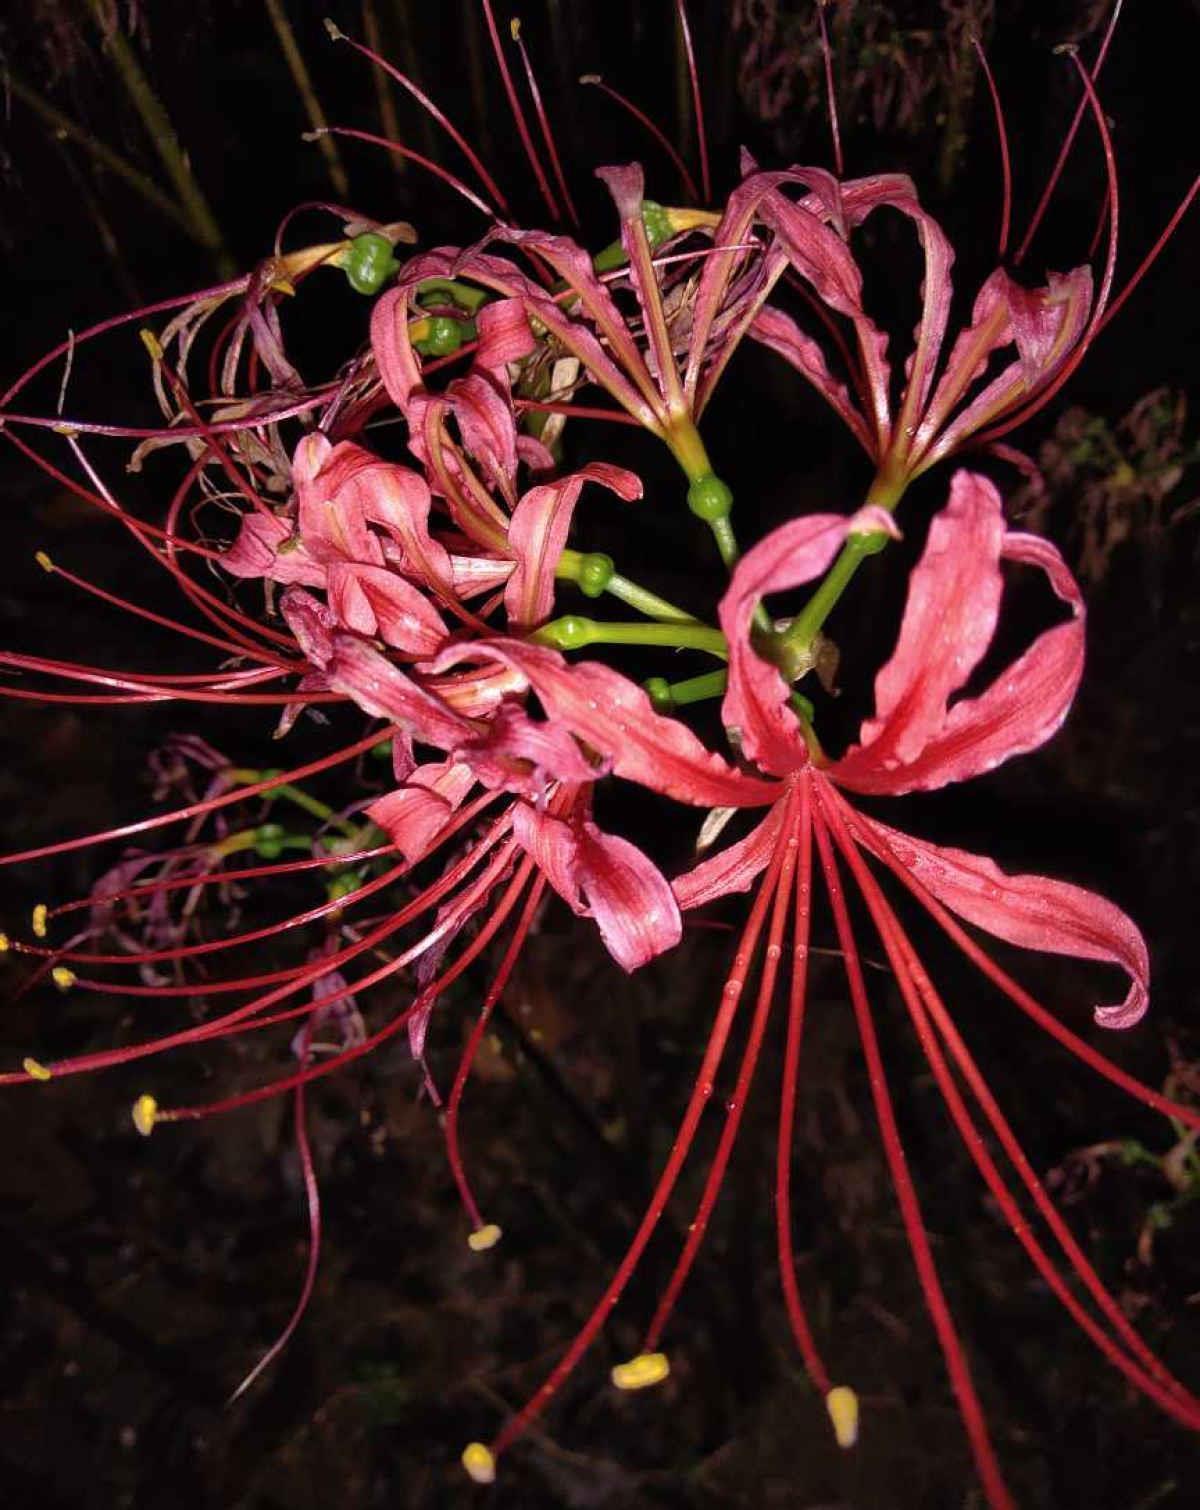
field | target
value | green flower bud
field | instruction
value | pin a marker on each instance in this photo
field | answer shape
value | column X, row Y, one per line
column 369, row 262
column 444, row 338
column 709, row 498
column 659, row 691
column 656, row 221
column 596, row 571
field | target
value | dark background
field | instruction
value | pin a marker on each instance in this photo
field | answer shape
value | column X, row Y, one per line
column 142, row 1280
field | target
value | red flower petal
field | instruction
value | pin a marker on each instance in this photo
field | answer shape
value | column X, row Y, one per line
column 915, row 741
column 609, row 878
column 735, row 868
column 374, row 601
column 1033, row 912
column 415, row 813
column 757, row 695
column 538, row 534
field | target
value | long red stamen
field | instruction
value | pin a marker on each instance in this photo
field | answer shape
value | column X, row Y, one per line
column 736, row 1105
column 465, row 1063
column 830, row 93
column 1151, row 256
column 797, row 995
column 689, row 183
column 927, row 1012
column 1002, row 142
column 433, row 111
column 910, row 1209
column 410, row 155
column 543, row 121
column 701, row 1093
column 518, row 114
column 1068, row 142
column 697, row 104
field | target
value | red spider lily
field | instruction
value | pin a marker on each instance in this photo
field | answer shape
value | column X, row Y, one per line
column 917, row 739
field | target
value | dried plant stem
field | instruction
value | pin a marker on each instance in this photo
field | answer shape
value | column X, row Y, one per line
column 302, row 79
column 389, row 121
column 64, row 127
column 158, row 125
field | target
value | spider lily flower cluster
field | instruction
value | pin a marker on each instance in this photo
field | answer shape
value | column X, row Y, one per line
column 422, row 592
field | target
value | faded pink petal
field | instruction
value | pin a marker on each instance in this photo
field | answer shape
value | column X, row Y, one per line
column 504, row 333
column 781, row 334
column 487, row 426
column 756, row 700
column 735, row 868
column 374, row 601
column 397, row 361
column 521, row 754
column 912, row 743
column 266, row 546
column 1032, row 912
column 626, row 184
column 538, row 535
column 615, row 718
column 608, row 878
column 415, row 813
column 330, row 516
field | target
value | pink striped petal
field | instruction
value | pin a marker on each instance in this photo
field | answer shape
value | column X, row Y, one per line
column 267, row 546
column 602, row 876
column 615, row 718
column 916, row 741
column 376, row 602
column 735, row 868
column 415, row 813
column 1032, row 912
column 487, row 426
column 756, row 699
column 521, row 754
column 504, row 333
column 538, row 535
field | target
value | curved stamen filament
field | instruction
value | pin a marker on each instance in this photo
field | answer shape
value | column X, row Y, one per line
column 910, row 1209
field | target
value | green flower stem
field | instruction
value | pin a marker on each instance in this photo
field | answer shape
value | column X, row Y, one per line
column 243, row 776
column 570, row 567
column 573, row 632
column 795, row 643
column 698, row 689
column 462, row 294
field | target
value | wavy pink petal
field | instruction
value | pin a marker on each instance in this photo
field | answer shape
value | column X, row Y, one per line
column 615, row 718
column 374, row 601
column 330, row 517
column 756, row 699
column 487, row 426
column 917, row 742
column 538, row 535
column 504, row 333
column 267, row 546
column 602, row 876
column 1032, row 912
column 522, row 754
column 735, row 868
column 415, row 813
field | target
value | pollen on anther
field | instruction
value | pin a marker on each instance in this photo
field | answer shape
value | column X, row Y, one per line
column 642, row 1372
column 63, row 978
column 145, row 1114
column 842, row 1404
column 40, row 914
column 36, row 1070
column 151, row 343
column 484, row 1237
column 43, row 560
column 480, row 1462
column 5, row 943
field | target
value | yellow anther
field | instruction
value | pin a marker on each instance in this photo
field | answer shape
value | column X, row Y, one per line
column 151, row 343
column 480, row 1462
column 842, row 1404
column 36, row 1070
column 514, row 28
column 40, row 914
column 63, row 978
column 145, row 1114
column 641, row 1372
column 283, row 286
column 5, row 943
column 484, row 1237
column 43, row 560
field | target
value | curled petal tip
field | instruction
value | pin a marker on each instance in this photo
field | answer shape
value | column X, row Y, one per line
column 480, row 1463
column 484, row 1237
column 842, row 1404
column 641, row 1372
column 1125, row 1014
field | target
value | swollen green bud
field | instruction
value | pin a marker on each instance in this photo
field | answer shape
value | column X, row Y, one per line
column 369, row 262
column 596, row 571
column 709, row 498
column 658, row 689
column 268, row 840
column 444, row 338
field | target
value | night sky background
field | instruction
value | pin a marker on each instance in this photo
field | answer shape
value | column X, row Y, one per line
column 139, row 1281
